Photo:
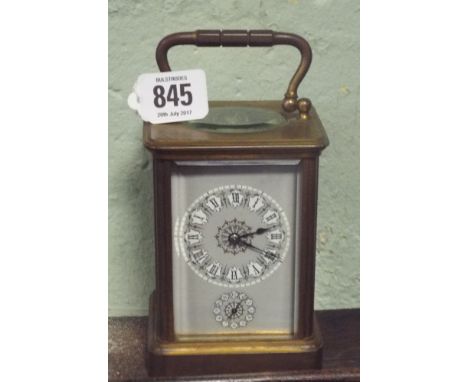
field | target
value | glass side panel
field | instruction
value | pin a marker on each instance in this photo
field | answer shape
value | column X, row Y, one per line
column 239, row 119
column 234, row 263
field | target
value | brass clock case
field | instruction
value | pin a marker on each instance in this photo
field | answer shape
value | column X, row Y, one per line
column 236, row 131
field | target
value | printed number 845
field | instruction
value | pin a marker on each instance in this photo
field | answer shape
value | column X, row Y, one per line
column 161, row 99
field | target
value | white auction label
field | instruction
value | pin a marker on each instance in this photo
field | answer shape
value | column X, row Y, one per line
column 170, row 96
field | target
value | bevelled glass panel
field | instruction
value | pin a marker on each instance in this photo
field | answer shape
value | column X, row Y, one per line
column 234, row 119
column 234, row 262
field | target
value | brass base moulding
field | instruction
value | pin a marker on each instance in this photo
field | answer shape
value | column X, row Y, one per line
column 192, row 358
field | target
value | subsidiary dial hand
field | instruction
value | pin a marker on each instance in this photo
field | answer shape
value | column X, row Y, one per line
column 234, row 310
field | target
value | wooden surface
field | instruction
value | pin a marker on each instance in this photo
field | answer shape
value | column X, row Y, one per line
column 340, row 331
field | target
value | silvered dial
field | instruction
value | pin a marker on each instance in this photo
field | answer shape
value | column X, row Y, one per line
column 233, row 235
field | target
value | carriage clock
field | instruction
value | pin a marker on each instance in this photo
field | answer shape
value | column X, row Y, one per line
column 235, row 198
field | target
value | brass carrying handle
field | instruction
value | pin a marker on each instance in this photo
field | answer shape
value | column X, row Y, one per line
column 252, row 38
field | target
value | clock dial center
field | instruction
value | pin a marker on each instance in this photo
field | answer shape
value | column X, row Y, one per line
column 232, row 236
column 234, row 310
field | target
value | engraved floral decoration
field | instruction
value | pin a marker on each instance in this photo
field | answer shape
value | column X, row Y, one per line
column 228, row 236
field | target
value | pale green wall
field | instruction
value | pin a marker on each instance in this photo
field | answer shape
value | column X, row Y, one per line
column 332, row 29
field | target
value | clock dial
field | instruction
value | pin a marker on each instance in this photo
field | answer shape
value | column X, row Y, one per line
column 234, row 236
column 234, row 310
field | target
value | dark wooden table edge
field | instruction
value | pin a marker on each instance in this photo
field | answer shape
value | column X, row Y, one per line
column 344, row 375
column 340, row 328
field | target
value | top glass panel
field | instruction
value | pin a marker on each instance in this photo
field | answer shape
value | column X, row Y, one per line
column 239, row 120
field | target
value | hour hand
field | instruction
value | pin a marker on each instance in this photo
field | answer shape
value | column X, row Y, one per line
column 259, row 231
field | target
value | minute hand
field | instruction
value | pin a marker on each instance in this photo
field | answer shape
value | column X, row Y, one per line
column 253, row 248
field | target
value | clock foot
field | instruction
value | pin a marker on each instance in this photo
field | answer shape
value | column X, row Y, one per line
column 198, row 365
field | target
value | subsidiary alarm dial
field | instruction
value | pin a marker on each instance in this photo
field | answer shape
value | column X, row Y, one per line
column 234, row 310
